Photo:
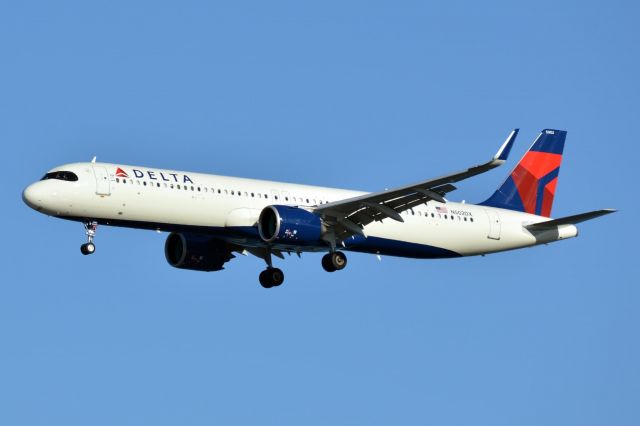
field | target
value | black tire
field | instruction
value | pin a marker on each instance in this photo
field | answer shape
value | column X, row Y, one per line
column 264, row 279
column 338, row 260
column 276, row 276
column 326, row 263
column 88, row 248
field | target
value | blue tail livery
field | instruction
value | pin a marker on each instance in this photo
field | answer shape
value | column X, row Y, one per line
column 531, row 186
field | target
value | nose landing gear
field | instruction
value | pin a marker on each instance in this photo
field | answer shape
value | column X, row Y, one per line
column 90, row 228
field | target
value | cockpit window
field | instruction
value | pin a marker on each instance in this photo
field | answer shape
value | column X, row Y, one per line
column 68, row 176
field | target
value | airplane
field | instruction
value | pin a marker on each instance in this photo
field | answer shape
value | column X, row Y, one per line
column 210, row 217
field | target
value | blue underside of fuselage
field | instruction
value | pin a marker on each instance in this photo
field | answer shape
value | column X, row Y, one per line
column 248, row 236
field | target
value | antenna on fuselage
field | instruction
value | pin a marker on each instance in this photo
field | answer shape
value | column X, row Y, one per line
column 93, row 160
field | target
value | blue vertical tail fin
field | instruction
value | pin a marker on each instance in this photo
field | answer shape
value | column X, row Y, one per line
column 531, row 185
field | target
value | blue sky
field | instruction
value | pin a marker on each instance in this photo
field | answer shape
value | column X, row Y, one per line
column 362, row 95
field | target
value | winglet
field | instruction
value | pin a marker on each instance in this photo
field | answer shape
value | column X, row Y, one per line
column 504, row 150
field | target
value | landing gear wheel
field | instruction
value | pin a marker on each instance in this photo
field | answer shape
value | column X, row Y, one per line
column 90, row 227
column 88, row 248
column 276, row 276
column 338, row 260
column 271, row 277
column 264, row 279
column 326, row 263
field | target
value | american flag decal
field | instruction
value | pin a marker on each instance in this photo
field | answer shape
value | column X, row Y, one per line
column 441, row 209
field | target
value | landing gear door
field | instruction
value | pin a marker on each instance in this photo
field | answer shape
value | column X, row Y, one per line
column 494, row 224
column 102, row 180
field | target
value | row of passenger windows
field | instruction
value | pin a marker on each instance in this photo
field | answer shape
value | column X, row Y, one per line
column 220, row 191
column 275, row 197
column 412, row 212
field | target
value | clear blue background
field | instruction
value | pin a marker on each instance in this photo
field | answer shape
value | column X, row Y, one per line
column 362, row 95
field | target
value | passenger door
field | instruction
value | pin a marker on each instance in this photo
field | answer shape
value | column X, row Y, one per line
column 494, row 224
column 102, row 180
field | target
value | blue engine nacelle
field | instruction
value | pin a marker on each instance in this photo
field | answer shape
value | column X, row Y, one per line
column 289, row 225
column 196, row 252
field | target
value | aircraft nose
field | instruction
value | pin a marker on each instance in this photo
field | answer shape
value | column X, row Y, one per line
column 32, row 196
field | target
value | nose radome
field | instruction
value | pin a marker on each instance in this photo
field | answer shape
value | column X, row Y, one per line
column 32, row 196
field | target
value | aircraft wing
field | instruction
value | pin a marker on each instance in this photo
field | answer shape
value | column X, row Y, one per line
column 349, row 216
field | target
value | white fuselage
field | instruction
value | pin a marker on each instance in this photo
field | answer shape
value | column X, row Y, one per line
column 229, row 207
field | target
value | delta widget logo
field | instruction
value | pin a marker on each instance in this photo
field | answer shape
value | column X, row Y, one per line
column 155, row 175
column 121, row 173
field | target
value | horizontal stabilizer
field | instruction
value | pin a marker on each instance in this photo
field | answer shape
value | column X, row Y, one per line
column 569, row 220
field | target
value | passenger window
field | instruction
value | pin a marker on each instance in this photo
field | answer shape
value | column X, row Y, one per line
column 144, row 183
column 471, row 219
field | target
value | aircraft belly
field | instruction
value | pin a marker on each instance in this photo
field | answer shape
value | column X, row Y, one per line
column 464, row 238
column 420, row 236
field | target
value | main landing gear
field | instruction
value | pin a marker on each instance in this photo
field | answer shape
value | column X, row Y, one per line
column 270, row 277
column 273, row 277
column 90, row 228
column 334, row 261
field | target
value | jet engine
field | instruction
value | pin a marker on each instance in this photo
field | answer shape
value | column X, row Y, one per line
column 196, row 252
column 289, row 225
